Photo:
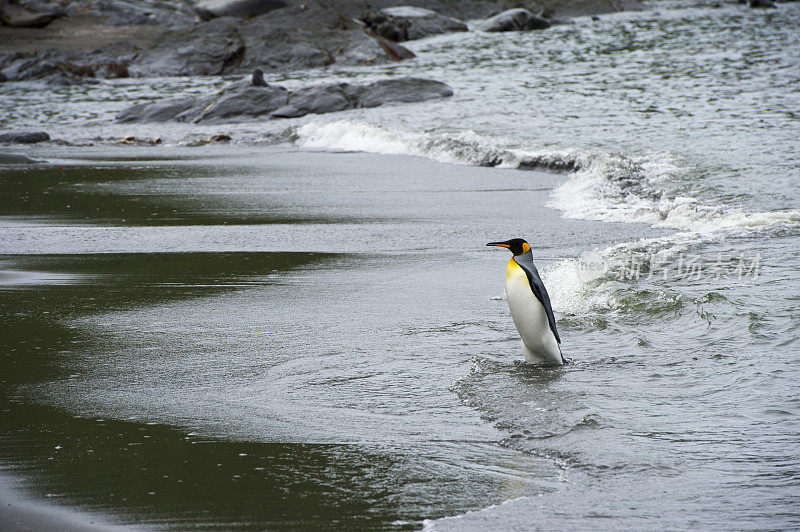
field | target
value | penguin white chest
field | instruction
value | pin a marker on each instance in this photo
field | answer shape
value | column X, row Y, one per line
column 530, row 318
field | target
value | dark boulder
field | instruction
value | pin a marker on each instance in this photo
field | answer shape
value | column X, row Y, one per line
column 69, row 67
column 17, row 66
column 272, row 44
column 318, row 99
column 120, row 13
column 402, row 90
column 24, row 137
column 405, row 23
column 161, row 111
column 329, row 98
column 130, row 12
column 514, row 20
column 282, row 48
column 207, row 49
column 393, row 50
column 313, row 36
column 13, row 14
column 768, row 4
column 208, row 9
column 243, row 100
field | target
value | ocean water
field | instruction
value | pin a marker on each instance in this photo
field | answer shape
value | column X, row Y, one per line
column 303, row 329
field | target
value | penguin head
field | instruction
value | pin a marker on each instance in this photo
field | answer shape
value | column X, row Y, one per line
column 517, row 246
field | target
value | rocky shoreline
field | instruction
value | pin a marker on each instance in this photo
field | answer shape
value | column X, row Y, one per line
column 80, row 41
column 70, row 42
column 253, row 98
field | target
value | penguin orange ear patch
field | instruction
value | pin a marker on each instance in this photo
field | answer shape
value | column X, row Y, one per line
column 525, row 247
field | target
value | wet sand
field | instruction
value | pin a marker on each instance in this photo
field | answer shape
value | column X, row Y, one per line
column 215, row 245
column 22, row 514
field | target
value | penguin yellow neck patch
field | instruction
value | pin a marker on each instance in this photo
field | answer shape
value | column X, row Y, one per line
column 512, row 267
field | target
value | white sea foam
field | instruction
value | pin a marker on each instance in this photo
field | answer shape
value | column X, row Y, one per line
column 570, row 294
column 430, row 525
column 617, row 188
column 610, row 187
column 355, row 136
column 465, row 147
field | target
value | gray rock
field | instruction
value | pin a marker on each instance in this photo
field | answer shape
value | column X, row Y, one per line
column 242, row 100
column 405, row 23
column 24, row 137
column 132, row 12
column 291, row 38
column 110, row 61
column 402, row 90
column 334, row 97
column 208, row 9
column 209, row 48
column 162, row 111
column 280, row 49
column 317, row 36
column 372, row 50
column 69, row 67
column 121, row 13
column 514, row 20
column 18, row 66
column 16, row 158
column 13, row 14
column 316, row 100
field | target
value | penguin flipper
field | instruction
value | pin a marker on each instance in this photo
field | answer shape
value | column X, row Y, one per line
column 538, row 289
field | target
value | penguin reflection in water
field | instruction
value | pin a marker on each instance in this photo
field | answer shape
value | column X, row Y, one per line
column 530, row 305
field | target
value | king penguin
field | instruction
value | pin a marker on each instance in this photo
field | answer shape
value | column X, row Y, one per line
column 530, row 305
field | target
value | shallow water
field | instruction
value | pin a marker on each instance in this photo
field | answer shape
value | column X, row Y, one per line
column 284, row 333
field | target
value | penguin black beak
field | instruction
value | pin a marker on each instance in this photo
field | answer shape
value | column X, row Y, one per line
column 499, row 244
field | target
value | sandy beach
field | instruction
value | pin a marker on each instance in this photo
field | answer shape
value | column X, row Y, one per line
column 218, row 315
column 19, row 513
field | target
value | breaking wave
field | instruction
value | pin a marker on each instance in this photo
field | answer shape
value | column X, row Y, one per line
column 618, row 188
column 611, row 187
column 465, row 147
